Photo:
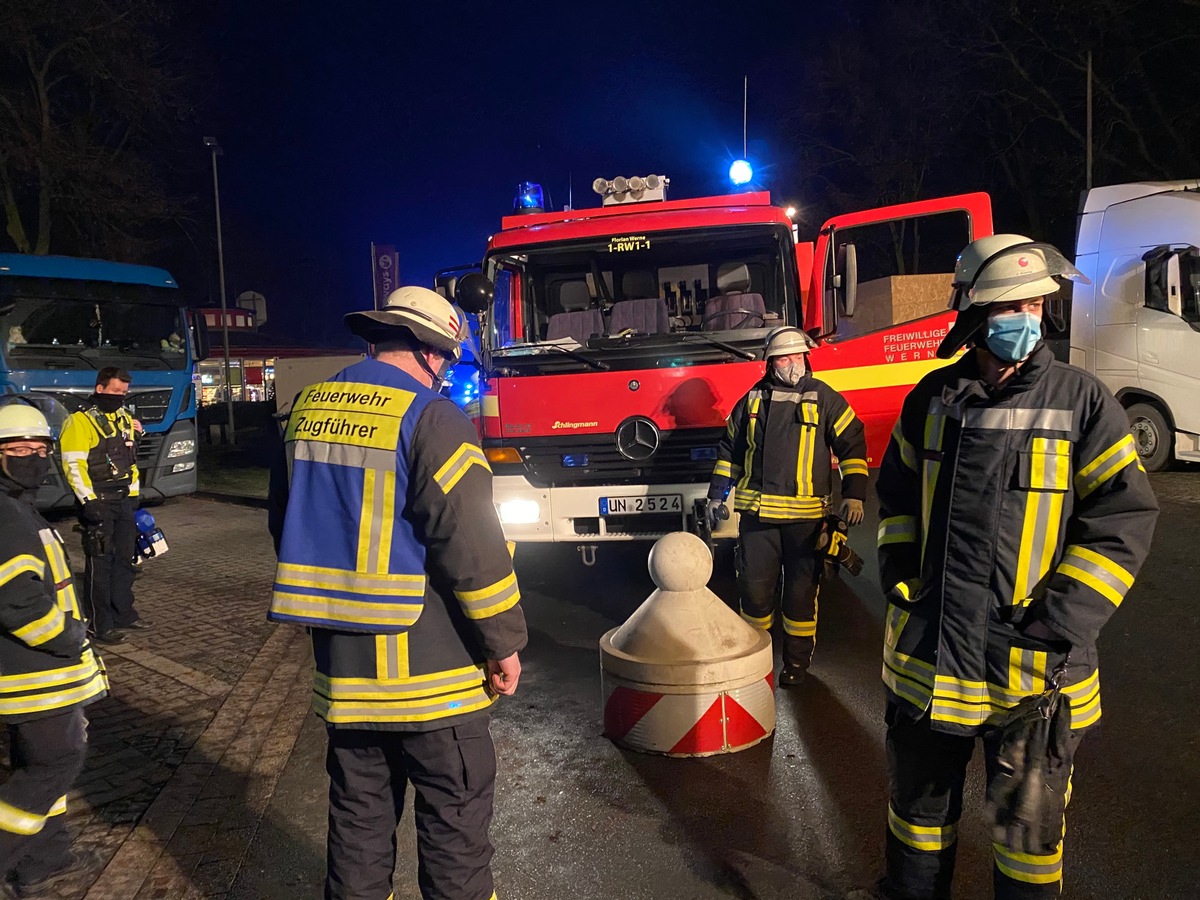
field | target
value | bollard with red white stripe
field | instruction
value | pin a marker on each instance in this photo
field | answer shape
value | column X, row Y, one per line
column 685, row 676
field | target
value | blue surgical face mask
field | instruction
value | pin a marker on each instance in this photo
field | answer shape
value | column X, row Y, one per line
column 1012, row 337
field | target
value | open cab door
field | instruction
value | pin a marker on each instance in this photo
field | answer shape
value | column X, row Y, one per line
column 879, row 300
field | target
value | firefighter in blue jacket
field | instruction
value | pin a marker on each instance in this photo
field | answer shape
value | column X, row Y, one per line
column 48, row 671
column 391, row 553
column 776, row 455
column 1014, row 518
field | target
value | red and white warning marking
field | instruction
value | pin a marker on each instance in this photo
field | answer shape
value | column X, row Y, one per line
column 684, row 675
column 689, row 724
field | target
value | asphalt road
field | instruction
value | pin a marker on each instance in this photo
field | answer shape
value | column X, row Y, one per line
column 800, row 815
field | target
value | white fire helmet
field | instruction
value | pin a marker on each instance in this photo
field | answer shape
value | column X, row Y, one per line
column 1003, row 268
column 787, row 340
column 20, row 421
column 426, row 314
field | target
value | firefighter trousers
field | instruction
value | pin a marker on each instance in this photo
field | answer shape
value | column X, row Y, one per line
column 766, row 548
column 108, row 576
column 47, row 756
column 927, row 770
column 453, row 774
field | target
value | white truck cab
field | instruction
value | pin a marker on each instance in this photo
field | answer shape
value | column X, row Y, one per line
column 1137, row 325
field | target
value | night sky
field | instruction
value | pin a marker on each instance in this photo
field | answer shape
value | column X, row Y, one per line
column 411, row 124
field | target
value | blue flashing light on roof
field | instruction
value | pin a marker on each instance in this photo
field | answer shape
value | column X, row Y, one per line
column 462, row 385
column 741, row 172
column 529, row 198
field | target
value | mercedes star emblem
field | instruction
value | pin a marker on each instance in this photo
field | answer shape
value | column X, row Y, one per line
column 637, row 439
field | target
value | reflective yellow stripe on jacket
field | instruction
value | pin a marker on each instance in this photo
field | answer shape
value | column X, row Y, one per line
column 23, row 562
column 457, row 466
column 60, row 570
column 491, row 600
column 362, row 598
column 1111, row 461
column 39, row 692
column 418, row 698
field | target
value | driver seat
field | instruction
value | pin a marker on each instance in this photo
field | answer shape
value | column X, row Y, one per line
column 735, row 307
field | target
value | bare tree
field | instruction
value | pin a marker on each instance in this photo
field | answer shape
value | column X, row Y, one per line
column 87, row 98
column 877, row 126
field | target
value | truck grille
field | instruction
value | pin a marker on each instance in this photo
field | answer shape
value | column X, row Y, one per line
column 148, row 446
column 672, row 463
column 149, row 406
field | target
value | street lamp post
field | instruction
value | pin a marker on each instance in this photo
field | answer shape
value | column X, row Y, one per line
column 211, row 144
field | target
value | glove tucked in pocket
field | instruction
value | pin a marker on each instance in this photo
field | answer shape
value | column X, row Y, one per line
column 1027, row 807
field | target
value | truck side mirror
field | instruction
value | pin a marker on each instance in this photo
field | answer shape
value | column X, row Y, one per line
column 199, row 328
column 1174, row 286
column 446, row 285
column 845, row 279
column 474, row 292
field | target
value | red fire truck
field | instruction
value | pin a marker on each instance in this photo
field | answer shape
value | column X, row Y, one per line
column 617, row 339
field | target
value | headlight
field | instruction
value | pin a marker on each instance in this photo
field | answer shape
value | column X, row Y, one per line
column 182, row 467
column 181, row 448
column 519, row 512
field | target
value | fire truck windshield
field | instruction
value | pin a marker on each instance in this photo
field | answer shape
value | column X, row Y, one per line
column 669, row 298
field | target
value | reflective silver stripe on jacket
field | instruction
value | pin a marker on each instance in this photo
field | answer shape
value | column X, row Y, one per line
column 344, row 455
column 1002, row 419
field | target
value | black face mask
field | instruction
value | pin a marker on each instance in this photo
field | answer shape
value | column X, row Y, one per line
column 109, row 403
column 27, row 471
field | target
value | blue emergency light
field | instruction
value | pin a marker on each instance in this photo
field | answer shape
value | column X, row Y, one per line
column 741, row 172
column 529, row 198
column 575, row 460
column 703, row 453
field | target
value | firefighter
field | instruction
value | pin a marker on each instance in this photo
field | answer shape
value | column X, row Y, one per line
column 48, row 672
column 776, row 451
column 391, row 553
column 1014, row 518
column 100, row 462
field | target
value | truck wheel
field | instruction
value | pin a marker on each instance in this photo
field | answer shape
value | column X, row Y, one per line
column 1153, row 437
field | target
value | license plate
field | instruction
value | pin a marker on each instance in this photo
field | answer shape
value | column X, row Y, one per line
column 632, row 506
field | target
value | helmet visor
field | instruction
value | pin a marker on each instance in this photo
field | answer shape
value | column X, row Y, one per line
column 1019, row 272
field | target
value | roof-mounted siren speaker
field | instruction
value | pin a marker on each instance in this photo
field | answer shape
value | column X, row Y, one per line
column 638, row 189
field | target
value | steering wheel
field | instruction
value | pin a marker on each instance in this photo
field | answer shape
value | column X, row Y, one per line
column 733, row 312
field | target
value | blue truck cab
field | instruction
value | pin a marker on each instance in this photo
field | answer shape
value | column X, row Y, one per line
column 62, row 319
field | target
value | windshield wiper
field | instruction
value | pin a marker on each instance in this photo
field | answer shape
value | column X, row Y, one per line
column 574, row 354
column 34, row 349
column 594, row 363
column 728, row 348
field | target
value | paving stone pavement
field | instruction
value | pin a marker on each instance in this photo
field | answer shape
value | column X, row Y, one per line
column 204, row 712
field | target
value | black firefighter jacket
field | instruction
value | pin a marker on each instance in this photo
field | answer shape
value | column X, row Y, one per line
column 1000, row 507
column 46, row 666
column 776, row 450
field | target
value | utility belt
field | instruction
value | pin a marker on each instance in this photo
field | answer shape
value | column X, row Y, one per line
column 110, row 492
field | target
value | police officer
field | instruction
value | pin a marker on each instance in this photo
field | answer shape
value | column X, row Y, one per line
column 1014, row 517
column 100, row 463
column 776, row 450
column 48, row 672
column 391, row 553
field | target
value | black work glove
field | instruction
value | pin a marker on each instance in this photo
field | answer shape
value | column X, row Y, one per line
column 92, row 513
column 69, row 644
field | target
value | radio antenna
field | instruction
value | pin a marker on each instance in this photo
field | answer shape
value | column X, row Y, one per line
column 745, row 107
